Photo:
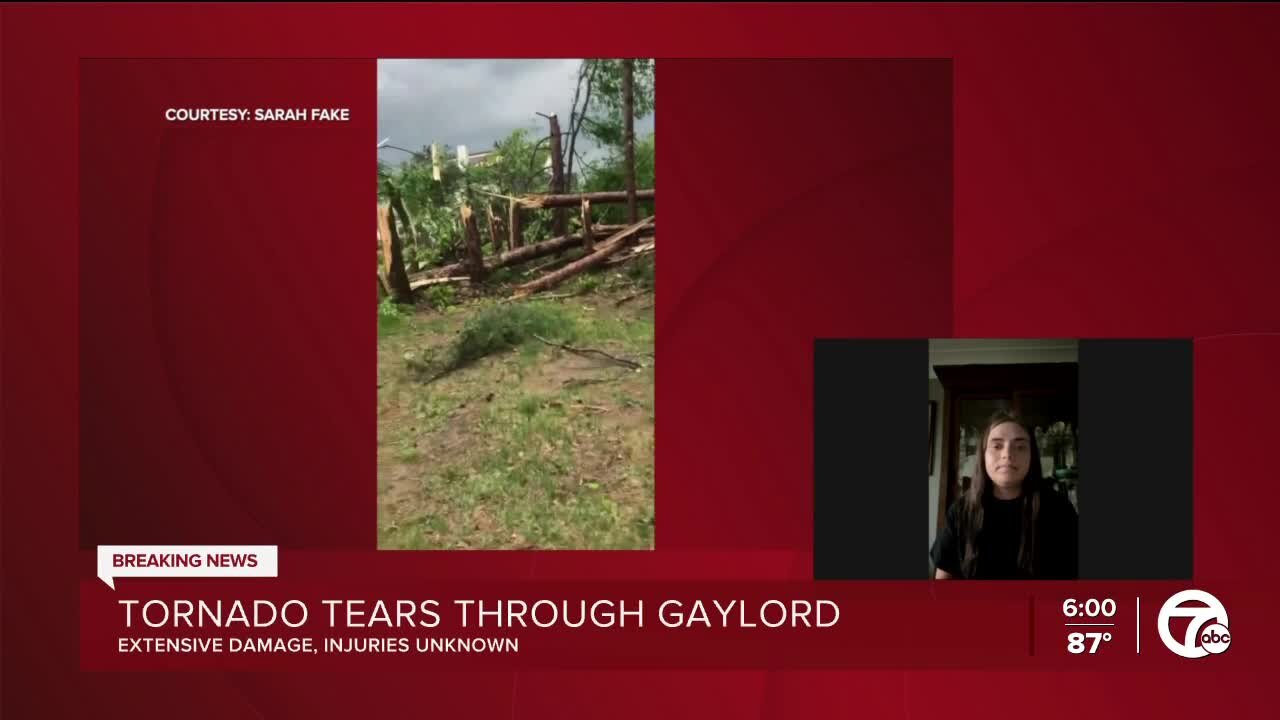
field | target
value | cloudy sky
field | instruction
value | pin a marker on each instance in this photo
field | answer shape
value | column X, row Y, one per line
column 472, row 102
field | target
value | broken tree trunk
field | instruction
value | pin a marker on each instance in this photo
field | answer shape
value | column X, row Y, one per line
column 613, row 244
column 384, row 244
column 396, row 274
column 475, row 255
column 559, row 221
column 397, row 204
column 513, row 226
column 629, row 136
column 495, row 230
column 534, row 202
column 588, row 238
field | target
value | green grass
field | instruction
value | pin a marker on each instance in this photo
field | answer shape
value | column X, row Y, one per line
column 630, row 333
column 585, row 283
column 499, row 454
column 430, row 411
column 529, row 406
column 524, row 473
column 413, row 534
column 392, row 318
column 640, row 271
column 437, row 323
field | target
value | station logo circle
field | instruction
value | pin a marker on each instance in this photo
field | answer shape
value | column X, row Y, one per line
column 1207, row 632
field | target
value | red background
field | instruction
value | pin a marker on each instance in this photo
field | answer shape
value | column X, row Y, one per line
column 224, row 347
column 1113, row 175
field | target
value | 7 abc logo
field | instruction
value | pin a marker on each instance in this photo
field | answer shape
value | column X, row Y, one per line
column 1207, row 632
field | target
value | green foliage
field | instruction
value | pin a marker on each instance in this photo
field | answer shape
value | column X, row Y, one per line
column 501, row 327
column 529, row 405
column 384, row 181
column 501, row 276
column 441, row 296
column 610, row 174
column 537, row 226
column 640, row 271
column 391, row 317
column 604, row 119
column 420, row 190
column 585, row 283
column 389, row 308
column 517, row 166
column 433, row 206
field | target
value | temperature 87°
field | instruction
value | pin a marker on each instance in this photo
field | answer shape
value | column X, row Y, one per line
column 1089, row 642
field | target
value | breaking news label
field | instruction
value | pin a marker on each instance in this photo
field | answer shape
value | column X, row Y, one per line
column 185, row 561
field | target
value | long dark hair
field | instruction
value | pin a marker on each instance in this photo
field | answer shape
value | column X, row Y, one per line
column 980, row 490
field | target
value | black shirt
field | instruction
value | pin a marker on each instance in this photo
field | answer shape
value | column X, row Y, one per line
column 1001, row 536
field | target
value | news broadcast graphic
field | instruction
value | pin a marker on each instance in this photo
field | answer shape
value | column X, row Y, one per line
column 515, row 357
column 185, row 561
column 1207, row 632
column 1049, row 226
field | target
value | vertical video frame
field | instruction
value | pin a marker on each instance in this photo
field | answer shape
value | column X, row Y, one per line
column 515, row 323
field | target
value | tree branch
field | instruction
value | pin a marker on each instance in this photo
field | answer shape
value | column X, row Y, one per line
column 583, row 162
column 533, row 160
column 586, row 352
column 575, row 121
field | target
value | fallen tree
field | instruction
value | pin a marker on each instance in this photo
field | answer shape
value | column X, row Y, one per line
column 575, row 199
column 522, row 254
column 608, row 247
column 632, row 254
column 426, row 282
column 475, row 254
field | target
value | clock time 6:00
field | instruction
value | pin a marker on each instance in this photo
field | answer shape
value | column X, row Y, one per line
column 1091, row 608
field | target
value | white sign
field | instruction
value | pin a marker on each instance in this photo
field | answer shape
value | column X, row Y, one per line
column 185, row 561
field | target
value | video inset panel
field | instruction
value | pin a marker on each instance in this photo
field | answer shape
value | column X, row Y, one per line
column 515, row 304
column 1049, row 459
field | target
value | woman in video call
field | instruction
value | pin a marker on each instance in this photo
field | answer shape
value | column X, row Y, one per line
column 1009, row 524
